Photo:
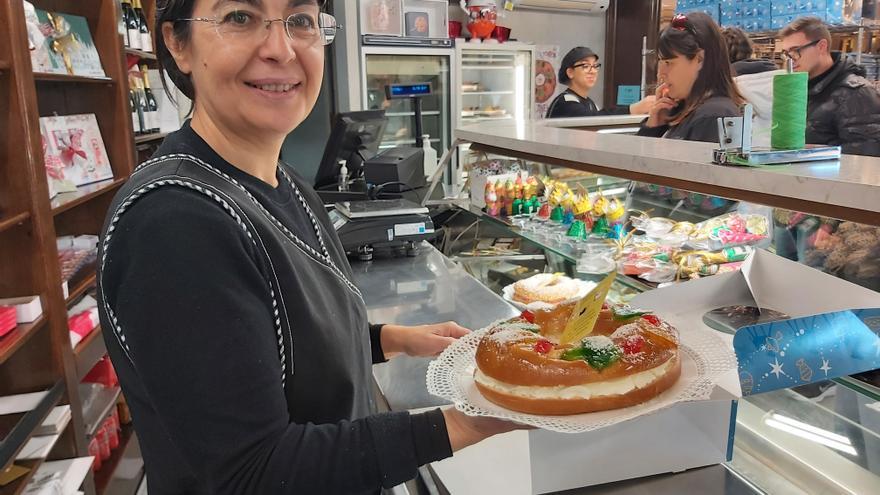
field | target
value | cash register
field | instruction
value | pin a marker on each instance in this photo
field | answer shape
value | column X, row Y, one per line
column 375, row 195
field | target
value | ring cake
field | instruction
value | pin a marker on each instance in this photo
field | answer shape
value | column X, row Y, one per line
column 629, row 357
column 547, row 288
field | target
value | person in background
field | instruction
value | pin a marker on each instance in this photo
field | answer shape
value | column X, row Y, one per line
column 740, row 52
column 580, row 71
column 754, row 79
column 696, row 82
column 843, row 108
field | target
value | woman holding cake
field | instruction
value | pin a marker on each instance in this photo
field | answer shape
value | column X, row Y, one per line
column 696, row 82
column 241, row 344
column 580, row 72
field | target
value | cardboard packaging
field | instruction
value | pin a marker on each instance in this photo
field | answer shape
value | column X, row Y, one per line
column 696, row 434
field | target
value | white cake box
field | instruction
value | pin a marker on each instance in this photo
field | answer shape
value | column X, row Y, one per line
column 684, row 436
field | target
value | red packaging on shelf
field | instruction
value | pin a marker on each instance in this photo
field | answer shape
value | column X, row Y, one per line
column 8, row 320
column 112, row 432
column 95, row 450
column 102, row 373
column 81, row 324
column 103, row 443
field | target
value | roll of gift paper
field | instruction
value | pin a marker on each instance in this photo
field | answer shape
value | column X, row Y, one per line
column 789, row 111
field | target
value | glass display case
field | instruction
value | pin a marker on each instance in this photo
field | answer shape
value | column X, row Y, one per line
column 496, row 81
column 823, row 437
column 384, row 66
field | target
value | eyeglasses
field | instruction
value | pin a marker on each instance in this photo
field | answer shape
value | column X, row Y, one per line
column 587, row 67
column 681, row 23
column 301, row 28
column 794, row 53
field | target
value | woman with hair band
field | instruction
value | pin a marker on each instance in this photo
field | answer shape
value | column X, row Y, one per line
column 696, row 84
column 227, row 302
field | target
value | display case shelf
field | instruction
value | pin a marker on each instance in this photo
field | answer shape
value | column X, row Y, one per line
column 146, row 138
column 483, row 93
column 140, row 54
column 488, row 67
column 13, row 340
column 83, row 194
column 16, row 429
column 101, row 407
column 44, row 76
column 82, row 285
column 13, row 220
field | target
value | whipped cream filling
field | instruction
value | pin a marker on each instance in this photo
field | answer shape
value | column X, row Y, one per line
column 617, row 386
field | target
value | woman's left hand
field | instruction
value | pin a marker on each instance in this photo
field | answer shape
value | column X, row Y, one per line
column 420, row 341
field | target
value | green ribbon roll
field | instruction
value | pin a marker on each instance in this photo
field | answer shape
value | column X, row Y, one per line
column 789, row 111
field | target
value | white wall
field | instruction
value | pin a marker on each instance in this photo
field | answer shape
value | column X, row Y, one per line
column 566, row 30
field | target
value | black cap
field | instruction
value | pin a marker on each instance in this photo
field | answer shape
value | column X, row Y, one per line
column 573, row 56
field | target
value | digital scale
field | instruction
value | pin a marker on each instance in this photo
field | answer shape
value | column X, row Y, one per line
column 735, row 137
column 394, row 224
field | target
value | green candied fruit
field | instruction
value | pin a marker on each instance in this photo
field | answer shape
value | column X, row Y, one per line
column 573, row 354
column 627, row 313
column 600, row 352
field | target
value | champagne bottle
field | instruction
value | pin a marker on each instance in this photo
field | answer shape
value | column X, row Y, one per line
column 146, row 38
column 152, row 106
column 133, row 26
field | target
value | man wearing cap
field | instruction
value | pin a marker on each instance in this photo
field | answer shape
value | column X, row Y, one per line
column 579, row 71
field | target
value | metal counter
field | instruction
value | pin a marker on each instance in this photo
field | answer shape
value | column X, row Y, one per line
column 428, row 288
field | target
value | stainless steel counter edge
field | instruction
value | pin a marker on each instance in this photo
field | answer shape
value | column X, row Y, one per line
column 852, row 183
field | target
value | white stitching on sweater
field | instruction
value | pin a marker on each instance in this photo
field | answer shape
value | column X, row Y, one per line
column 214, row 194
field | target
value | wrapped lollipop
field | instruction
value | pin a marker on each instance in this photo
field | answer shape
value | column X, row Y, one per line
column 492, row 202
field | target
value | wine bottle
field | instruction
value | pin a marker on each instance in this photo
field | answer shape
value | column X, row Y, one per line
column 146, row 38
column 152, row 106
column 133, row 26
column 137, row 115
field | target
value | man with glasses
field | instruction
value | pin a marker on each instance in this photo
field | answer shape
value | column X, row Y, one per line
column 580, row 71
column 843, row 107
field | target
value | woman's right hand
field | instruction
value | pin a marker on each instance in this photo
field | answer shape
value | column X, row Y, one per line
column 467, row 430
column 663, row 105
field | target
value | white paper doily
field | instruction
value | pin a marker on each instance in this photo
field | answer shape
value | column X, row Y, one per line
column 584, row 289
column 703, row 358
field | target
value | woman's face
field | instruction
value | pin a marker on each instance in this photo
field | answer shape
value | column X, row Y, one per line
column 679, row 74
column 253, row 80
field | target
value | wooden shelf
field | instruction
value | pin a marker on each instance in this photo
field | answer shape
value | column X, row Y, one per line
column 84, row 284
column 150, row 137
column 88, row 352
column 66, row 201
column 12, row 221
column 13, row 340
column 140, row 54
column 18, row 486
column 43, row 76
column 17, row 429
column 108, row 466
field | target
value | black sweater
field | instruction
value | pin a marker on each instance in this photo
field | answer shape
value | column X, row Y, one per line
column 701, row 125
column 202, row 379
column 571, row 104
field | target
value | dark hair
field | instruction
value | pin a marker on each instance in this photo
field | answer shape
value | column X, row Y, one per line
column 812, row 27
column 170, row 11
column 739, row 46
column 699, row 32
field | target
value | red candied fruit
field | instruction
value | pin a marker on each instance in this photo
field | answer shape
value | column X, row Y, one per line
column 528, row 316
column 543, row 346
column 652, row 319
column 633, row 344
